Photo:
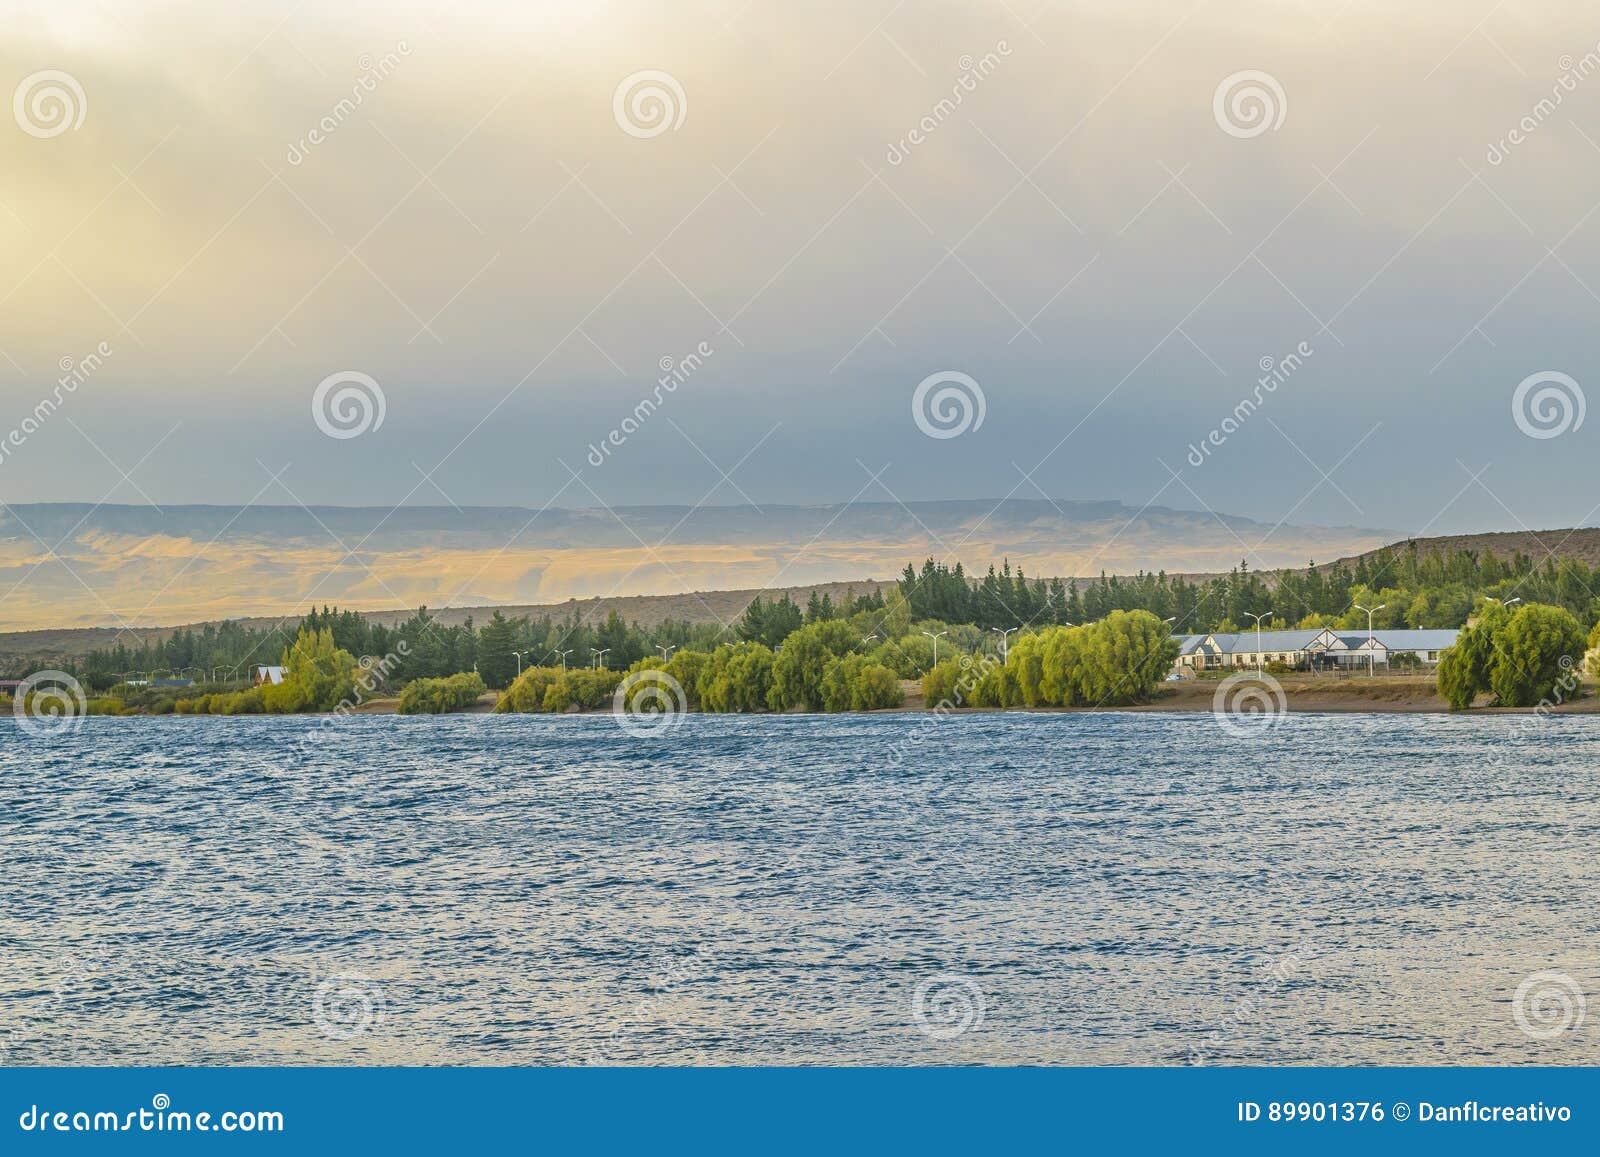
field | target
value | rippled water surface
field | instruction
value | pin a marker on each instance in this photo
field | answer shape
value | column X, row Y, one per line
column 1039, row 889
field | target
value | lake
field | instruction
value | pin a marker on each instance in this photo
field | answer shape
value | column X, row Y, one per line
column 1080, row 889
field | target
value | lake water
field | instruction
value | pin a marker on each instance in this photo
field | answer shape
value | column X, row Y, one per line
column 1007, row 889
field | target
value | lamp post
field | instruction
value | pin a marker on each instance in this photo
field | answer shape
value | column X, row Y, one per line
column 519, row 655
column 936, row 639
column 599, row 656
column 1005, row 634
column 666, row 650
column 1372, row 655
column 563, row 655
column 1258, row 619
column 868, row 638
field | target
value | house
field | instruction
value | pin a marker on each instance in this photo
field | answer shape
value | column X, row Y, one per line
column 1310, row 649
column 268, row 675
column 1375, row 650
column 1303, row 648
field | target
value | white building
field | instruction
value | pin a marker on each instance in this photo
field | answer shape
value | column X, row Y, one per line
column 1309, row 649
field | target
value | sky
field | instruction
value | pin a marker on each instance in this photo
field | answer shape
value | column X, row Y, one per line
column 379, row 254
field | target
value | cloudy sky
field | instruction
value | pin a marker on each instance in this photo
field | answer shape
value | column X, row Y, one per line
column 1107, row 216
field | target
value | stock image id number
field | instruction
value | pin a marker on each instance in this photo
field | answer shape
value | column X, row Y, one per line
column 1295, row 1111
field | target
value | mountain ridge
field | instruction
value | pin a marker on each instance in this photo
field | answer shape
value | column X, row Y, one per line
column 65, row 565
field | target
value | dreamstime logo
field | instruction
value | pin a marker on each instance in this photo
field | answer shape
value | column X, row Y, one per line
column 348, row 404
column 972, row 71
column 74, row 373
column 372, row 71
column 49, row 703
column 1248, row 103
column 1248, row 704
column 946, row 1005
column 1573, row 72
column 1274, row 372
column 674, row 372
column 47, row 104
column 648, row 702
column 648, row 103
column 347, row 1004
column 1548, row 404
column 1547, row 1004
column 948, row 404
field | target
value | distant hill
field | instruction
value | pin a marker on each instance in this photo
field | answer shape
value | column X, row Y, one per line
column 726, row 605
column 1581, row 544
column 73, row 565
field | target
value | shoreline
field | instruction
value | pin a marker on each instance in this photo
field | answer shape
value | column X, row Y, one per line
column 1386, row 695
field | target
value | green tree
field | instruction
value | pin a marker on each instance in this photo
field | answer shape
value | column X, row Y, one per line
column 317, row 675
column 1126, row 656
column 769, row 623
column 496, row 642
column 737, row 678
column 1465, row 669
column 1536, row 656
column 797, row 672
column 856, row 683
column 438, row 696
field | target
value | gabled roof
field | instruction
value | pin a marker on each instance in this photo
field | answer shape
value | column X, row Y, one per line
column 1403, row 640
column 1418, row 640
column 1271, row 640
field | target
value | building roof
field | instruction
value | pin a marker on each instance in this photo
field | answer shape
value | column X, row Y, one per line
column 1247, row 641
column 1404, row 640
column 270, row 674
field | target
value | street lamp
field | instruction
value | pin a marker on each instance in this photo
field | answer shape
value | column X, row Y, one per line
column 563, row 655
column 1004, row 633
column 666, row 650
column 1258, row 619
column 936, row 639
column 1372, row 655
column 519, row 655
column 868, row 638
column 599, row 656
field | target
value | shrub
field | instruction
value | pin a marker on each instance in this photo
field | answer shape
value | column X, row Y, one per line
column 1517, row 656
column 317, row 676
column 686, row 667
column 1535, row 655
column 441, row 696
column 737, row 678
column 798, row 670
column 856, row 683
column 526, row 693
column 238, row 703
column 585, row 688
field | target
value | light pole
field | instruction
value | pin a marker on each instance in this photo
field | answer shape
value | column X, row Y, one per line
column 868, row 638
column 666, row 650
column 1005, row 634
column 563, row 655
column 936, row 639
column 600, row 656
column 519, row 655
column 1258, row 619
column 1372, row 655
